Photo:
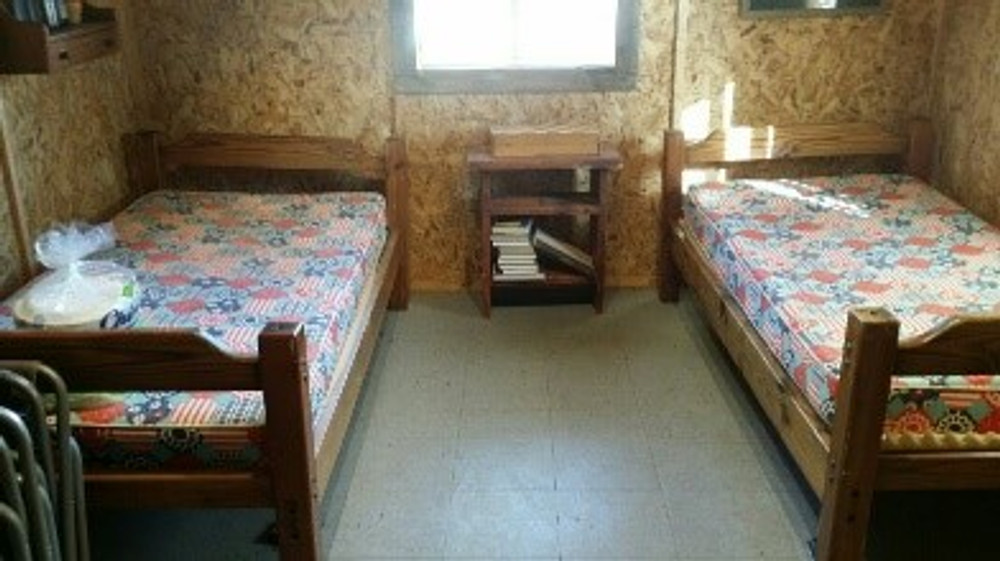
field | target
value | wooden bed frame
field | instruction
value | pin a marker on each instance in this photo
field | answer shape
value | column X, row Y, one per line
column 294, row 479
column 843, row 463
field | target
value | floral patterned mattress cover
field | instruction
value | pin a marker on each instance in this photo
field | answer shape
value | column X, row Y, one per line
column 227, row 264
column 797, row 254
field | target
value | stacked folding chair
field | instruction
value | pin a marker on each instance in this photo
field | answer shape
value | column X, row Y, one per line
column 42, row 507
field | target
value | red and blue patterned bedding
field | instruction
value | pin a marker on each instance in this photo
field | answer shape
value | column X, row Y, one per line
column 797, row 254
column 227, row 264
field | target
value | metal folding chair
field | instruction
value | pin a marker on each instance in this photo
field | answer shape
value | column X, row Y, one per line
column 15, row 545
column 12, row 512
column 45, row 491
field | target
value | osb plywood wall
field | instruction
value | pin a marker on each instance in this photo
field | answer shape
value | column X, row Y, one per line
column 10, row 263
column 817, row 69
column 62, row 136
column 967, row 110
column 302, row 67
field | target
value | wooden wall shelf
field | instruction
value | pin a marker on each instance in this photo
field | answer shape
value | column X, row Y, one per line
column 33, row 48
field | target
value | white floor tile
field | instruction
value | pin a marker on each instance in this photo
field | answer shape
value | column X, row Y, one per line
column 385, row 523
column 505, row 464
column 596, row 463
column 600, row 423
column 613, row 524
column 426, row 408
column 503, row 524
column 493, row 423
column 513, row 390
column 687, row 464
column 731, row 524
column 587, row 395
column 406, row 463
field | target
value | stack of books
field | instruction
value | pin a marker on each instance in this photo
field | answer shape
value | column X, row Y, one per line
column 567, row 254
column 516, row 258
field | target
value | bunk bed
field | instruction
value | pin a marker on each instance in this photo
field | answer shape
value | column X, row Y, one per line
column 840, row 400
column 258, row 317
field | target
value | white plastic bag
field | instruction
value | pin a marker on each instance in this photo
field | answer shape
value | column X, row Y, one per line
column 67, row 244
column 75, row 292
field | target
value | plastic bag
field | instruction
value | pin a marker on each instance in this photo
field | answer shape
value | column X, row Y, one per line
column 67, row 244
column 77, row 293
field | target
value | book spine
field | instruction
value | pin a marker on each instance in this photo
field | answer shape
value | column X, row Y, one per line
column 563, row 252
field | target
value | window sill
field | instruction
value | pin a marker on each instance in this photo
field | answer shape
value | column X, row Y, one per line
column 513, row 81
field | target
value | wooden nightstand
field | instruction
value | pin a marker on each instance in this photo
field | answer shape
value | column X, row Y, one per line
column 568, row 268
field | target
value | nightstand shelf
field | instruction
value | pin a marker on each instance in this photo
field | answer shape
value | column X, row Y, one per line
column 553, row 279
column 550, row 204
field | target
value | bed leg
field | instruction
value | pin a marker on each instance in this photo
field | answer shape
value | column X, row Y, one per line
column 869, row 357
column 670, row 276
column 400, row 298
column 919, row 156
column 398, row 187
column 142, row 162
column 284, row 378
column 670, row 213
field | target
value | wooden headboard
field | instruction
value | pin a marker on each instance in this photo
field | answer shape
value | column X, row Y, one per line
column 150, row 160
column 150, row 157
column 741, row 144
column 725, row 148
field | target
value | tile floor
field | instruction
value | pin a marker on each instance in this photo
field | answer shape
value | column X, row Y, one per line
column 543, row 433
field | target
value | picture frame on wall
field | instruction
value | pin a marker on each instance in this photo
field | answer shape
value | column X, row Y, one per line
column 799, row 8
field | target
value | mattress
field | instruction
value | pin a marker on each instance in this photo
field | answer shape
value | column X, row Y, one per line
column 227, row 264
column 798, row 254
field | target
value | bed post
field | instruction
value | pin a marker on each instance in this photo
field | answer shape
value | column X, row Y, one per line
column 398, row 196
column 670, row 213
column 285, row 380
column 870, row 348
column 920, row 150
column 142, row 161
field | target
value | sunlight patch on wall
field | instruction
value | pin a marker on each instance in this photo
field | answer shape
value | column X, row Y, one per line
column 696, row 120
column 695, row 176
column 728, row 104
column 739, row 141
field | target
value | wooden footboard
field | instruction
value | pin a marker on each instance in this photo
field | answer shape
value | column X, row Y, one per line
column 844, row 463
column 178, row 360
column 145, row 360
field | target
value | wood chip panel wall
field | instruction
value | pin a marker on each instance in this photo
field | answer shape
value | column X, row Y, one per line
column 302, row 67
column 966, row 110
column 816, row 69
column 10, row 259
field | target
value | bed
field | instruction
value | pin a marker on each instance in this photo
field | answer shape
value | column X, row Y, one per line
column 862, row 311
column 258, row 318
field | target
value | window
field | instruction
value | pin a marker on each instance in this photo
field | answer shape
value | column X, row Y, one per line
column 807, row 7
column 491, row 46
